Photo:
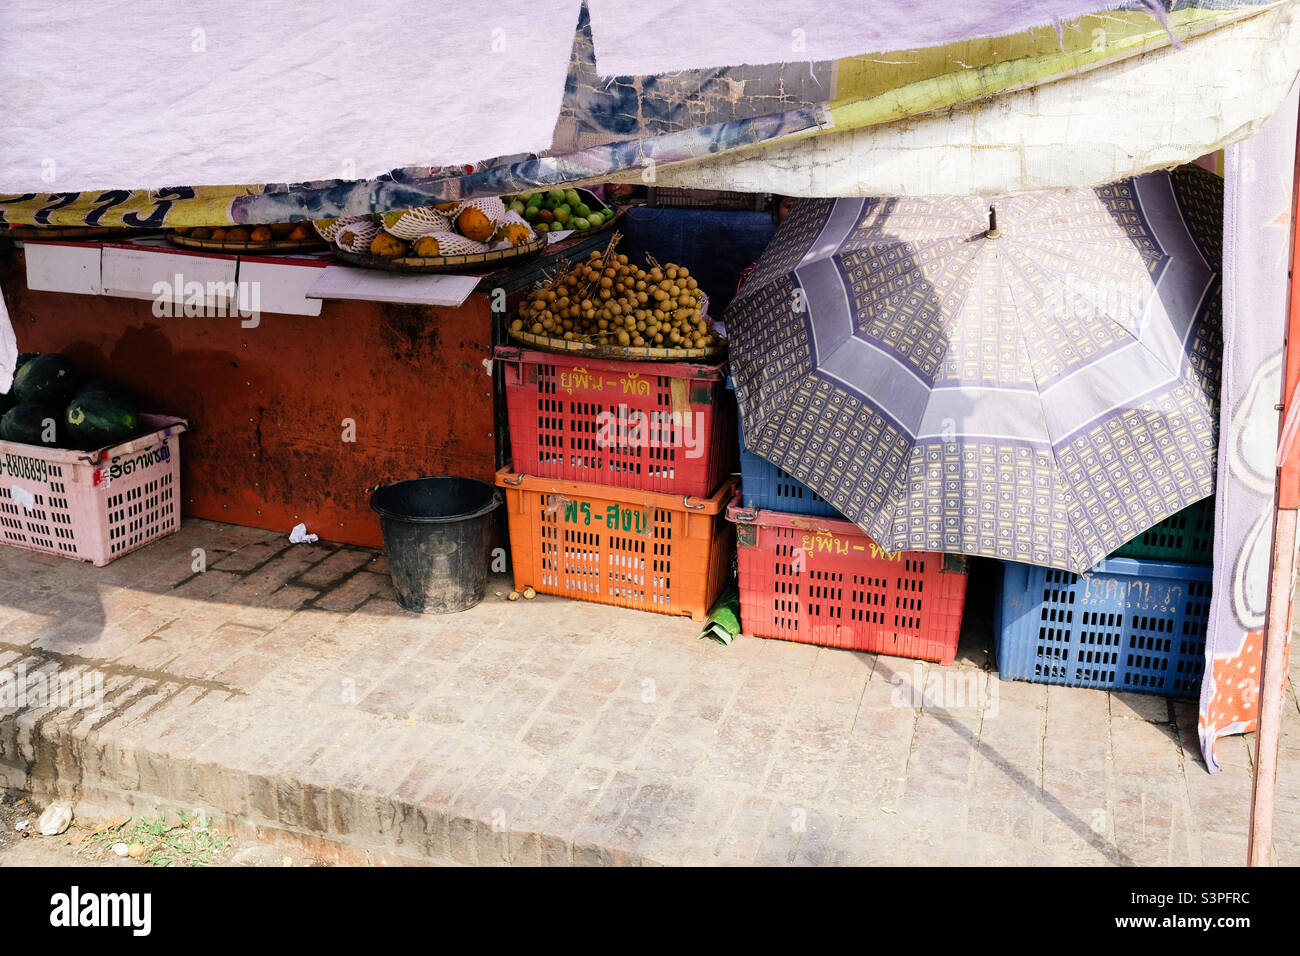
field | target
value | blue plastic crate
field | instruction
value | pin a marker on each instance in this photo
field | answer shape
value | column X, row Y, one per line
column 766, row 487
column 763, row 486
column 1127, row 624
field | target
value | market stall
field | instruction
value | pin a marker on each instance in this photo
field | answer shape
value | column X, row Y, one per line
column 451, row 327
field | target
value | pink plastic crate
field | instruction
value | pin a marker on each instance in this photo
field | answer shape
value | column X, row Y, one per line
column 92, row 505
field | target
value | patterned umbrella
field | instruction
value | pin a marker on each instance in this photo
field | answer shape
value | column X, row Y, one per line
column 1033, row 378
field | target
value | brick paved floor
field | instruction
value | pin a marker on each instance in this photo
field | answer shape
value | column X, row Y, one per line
column 283, row 689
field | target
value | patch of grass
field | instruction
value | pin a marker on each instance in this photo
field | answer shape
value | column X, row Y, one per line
column 107, row 836
column 190, row 841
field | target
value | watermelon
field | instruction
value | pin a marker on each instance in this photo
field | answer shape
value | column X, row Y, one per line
column 7, row 399
column 98, row 419
column 26, row 424
column 104, row 386
column 49, row 379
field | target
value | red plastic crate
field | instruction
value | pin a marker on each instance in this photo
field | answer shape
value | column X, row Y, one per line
column 621, row 424
column 820, row 580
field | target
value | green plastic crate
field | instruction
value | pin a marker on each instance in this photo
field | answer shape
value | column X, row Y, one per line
column 1186, row 537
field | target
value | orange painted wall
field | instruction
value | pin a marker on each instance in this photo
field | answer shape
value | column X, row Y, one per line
column 267, row 403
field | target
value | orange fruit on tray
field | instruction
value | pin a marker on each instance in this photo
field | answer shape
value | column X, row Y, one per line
column 219, row 234
column 201, row 232
column 237, row 234
column 449, row 244
column 387, row 245
column 281, row 230
column 474, row 225
column 301, row 230
column 261, row 234
column 425, row 247
column 516, row 233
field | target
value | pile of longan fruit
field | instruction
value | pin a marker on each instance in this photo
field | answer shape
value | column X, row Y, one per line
column 607, row 300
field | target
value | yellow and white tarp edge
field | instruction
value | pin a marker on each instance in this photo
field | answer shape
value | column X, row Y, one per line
column 1151, row 111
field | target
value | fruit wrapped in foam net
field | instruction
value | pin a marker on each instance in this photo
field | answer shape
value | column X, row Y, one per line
column 478, row 218
column 447, row 244
column 513, row 230
column 417, row 222
column 356, row 236
column 328, row 229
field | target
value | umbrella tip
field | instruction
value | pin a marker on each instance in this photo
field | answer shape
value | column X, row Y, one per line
column 992, row 230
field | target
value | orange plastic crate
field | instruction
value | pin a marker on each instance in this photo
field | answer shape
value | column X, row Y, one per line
column 640, row 549
column 820, row 580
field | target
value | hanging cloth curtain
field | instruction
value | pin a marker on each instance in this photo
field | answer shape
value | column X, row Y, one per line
column 1257, row 223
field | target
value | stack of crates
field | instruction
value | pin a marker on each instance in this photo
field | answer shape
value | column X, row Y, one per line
column 620, row 477
column 807, row 574
column 1135, row 622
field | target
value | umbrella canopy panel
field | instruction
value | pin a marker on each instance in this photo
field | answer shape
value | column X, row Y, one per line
column 1039, row 390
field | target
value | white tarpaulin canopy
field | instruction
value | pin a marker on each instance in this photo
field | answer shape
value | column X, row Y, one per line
column 121, row 94
column 108, row 94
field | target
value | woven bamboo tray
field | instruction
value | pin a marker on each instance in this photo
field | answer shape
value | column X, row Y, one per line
column 633, row 353
column 72, row 232
column 470, row 262
column 247, row 245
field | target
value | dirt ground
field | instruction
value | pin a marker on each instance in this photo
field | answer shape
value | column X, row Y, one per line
column 164, row 839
